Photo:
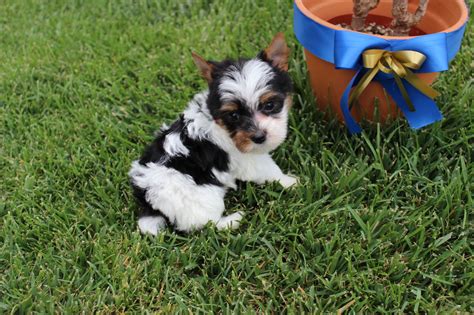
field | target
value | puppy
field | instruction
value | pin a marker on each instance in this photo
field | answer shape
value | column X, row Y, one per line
column 225, row 134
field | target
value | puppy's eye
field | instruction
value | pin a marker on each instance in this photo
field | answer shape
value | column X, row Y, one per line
column 268, row 107
column 233, row 116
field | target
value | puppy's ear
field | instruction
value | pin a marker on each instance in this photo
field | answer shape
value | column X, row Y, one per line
column 277, row 52
column 204, row 67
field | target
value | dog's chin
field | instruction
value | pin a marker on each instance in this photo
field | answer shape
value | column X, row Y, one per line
column 266, row 147
column 261, row 149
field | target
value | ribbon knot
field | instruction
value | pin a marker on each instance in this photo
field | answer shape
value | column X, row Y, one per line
column 398, row 64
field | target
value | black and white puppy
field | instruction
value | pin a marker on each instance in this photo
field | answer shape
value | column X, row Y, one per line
column 225, row 134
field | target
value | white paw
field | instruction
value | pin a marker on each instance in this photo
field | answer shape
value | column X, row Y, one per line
column 151, row 225
column 235, row 219
column 231, row 221
column 288, row 180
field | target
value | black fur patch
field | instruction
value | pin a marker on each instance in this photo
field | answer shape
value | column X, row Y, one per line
column 203, row 156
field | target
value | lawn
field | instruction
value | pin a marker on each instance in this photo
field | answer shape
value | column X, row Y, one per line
column 381, row 222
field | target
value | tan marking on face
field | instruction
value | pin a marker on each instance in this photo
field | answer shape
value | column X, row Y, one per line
column 267, row 96
column 229, row 107
column 242, row 141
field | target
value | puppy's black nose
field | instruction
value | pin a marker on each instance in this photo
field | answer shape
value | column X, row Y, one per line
column 259, row 137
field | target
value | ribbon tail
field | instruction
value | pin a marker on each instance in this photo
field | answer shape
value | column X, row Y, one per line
column 426, row 111
column 351, row 124
column 362, row 84
column 404, row 93
column 420, row 85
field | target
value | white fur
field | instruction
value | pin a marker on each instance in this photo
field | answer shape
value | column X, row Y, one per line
column 230, row 222
column 259, row 168
column 288, row 181
column 247, row 84
column 226, row 178
column 151, row 225
column 174, row 146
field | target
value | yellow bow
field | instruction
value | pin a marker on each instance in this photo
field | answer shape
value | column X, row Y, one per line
column 397, row 63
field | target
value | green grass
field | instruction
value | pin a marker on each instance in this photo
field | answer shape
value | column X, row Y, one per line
column 383, row 219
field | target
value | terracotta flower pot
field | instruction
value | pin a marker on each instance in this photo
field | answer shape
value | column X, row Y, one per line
column 329, row 83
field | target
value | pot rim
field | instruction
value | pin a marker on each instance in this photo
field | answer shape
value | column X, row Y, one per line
column 462, row 19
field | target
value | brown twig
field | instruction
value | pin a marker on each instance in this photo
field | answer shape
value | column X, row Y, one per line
column 360, row 12
column 403, row 20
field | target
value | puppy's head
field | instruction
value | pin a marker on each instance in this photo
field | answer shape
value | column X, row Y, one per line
column 250, row 98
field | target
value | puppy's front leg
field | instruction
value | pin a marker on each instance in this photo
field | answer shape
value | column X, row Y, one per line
column 262, row 168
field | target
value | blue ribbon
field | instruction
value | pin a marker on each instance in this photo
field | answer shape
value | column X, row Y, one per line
column 344, row 49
